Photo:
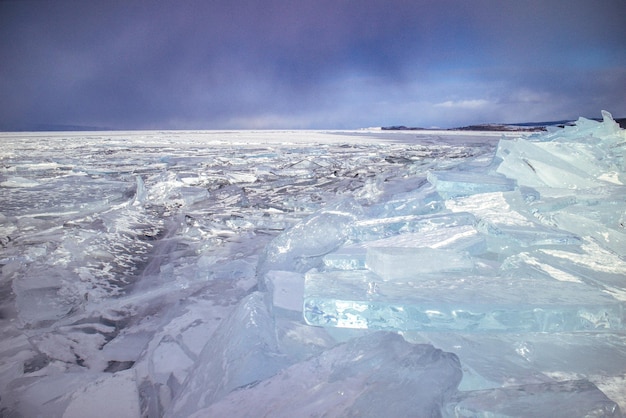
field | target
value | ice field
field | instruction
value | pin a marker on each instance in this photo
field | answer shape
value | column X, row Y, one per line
column 314, row 273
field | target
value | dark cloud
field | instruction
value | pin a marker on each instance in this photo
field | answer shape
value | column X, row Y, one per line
column 230, row 64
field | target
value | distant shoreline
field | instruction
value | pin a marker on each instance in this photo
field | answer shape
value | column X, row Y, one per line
column 485, row 127
column 501, row 127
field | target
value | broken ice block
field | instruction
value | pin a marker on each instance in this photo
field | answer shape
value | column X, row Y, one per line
column 422, row 201
column 412, row 254
column 346, row 258
column 379, row 228
column 392, row 263
column 40, row 297
column 532, row 164
column 94, row 399
column 242, row 351
column 459, row 183
column 584, row 156
column 431, row 250
column 449, row 302
column 583, row 221
column 46, row 396
column 581, row 266
column 286, row 289
column 584, row 128
column 376, row 375
column 516, row 236
column 574, row 398
column 303, row 246
column 457, row 238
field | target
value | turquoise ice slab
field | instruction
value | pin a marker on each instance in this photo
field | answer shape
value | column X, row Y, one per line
column 384, row 227
column 534, row 235
column 346, row 258
column 406, row 263
column 458, row 183
column 457, row 302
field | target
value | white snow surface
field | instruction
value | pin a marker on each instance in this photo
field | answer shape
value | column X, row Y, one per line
column 149, row 274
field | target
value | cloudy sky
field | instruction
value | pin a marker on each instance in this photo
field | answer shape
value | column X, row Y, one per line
column 235, row 64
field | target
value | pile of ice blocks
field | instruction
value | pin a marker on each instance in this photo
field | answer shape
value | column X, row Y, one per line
column 532, row 242
column 517, row 265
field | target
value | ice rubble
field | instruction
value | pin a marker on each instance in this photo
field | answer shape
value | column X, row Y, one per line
column 372, row 376
column 538, row 246
column 174, row 273
column 433, row 279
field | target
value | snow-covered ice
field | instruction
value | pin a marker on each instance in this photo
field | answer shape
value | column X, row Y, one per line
column 308, row 273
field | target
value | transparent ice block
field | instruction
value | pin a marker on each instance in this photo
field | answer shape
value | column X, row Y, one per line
column 457, row 302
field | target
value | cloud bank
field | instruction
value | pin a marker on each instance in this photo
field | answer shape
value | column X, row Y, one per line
column 308, row 64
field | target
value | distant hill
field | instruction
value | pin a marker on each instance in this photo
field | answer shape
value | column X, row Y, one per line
column 530, row 126
column 400, row 128
column 502, row 127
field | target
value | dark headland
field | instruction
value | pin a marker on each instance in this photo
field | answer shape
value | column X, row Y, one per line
column 510, row 127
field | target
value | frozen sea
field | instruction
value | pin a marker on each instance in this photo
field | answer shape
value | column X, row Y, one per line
column 313, row 273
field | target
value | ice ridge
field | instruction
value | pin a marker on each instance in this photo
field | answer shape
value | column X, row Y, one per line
column 166, row 274
column 547, row 194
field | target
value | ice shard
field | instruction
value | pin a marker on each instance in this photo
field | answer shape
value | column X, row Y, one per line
column 534, row 164
column 304, row 245
column 493, row 360
column 574, row 398
column 385, row 225
column 242, row 352
column 584, row 156
column 89, row 400
column 462, row 183
column 376, row 375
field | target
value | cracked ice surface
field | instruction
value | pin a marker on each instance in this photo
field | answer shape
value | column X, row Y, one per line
column 166, row 272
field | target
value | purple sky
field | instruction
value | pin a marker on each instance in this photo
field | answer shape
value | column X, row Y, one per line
column 231, row 64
